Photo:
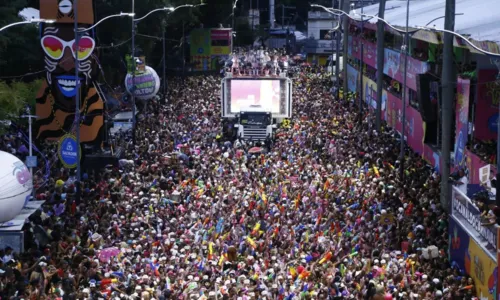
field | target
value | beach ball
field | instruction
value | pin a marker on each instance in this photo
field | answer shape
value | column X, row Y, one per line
column 16, row 185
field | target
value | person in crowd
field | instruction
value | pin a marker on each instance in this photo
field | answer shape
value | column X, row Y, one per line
column 320, row 213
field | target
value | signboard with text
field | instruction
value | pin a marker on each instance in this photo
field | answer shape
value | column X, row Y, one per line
column 68, row 151
column 470, row 217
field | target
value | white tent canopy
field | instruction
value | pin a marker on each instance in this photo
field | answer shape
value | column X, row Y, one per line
column 479, row 18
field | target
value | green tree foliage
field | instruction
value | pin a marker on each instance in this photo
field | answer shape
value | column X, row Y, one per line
column 14, row 97
column 20, row 51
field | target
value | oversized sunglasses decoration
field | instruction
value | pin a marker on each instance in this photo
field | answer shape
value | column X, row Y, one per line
column 54, row 47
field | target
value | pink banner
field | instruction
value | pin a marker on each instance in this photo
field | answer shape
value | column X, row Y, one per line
column 488, row 95
column 474, row 163
column 432, row 158
column 462, row 120
column 414, row 130
column 394, row 67
column 369, row 51
column 217, row 34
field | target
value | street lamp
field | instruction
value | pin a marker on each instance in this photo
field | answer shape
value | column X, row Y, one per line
column 404, row 49
column 77, row 96
column 28, row 22
column 232, row 26
column 134, row 22
column 407, row 33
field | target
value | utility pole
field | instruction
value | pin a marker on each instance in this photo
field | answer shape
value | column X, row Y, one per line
column 282, row 16
column 448, row 87
column 345, row 37
column 253, row 15
column 404, row 50
column 77, row 106
column 184, row 51
column 133, row 74
column 338, row 32
column 164, row 32
column 361, row 88
column 232, row 27
column 30, row 122
column 380, row 63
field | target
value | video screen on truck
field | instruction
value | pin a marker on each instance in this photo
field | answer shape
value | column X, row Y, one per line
column 265, row 93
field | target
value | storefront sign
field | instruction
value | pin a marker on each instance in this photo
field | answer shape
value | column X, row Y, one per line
column 462, row 120
column 394, row 68
column 68, row 151
column 488, row 96
column 470, row 217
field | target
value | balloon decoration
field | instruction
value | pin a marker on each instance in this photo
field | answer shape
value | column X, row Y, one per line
column 147, row 84
column 16, row 185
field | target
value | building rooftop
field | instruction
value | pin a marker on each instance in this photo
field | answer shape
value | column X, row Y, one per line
column 477, row 18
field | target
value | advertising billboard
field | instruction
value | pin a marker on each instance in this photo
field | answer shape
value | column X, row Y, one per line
column 394, row 68
column 470, row 258
column 466, row 212
column 488, row 96
column 352, row 79
column 370, row 96
column 55, row 102
column 271, row 95
column 462, row 120
column 220, row 41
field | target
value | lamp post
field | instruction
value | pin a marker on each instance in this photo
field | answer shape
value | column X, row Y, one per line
column 78, row 91
column 164, row 24
column 27, row 22
column 30, row 118
column 337, row 53
column 404, row 48
column 134, row 22
column 232, row 26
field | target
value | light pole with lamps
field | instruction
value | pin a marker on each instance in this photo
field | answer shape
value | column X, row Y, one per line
column 30, row 118
column 472, row 45
column 232, row 26
column 32, row 21
column 78, row 91
column 135, row 21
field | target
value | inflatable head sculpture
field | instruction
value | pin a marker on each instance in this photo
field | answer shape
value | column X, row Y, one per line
column 55, row 103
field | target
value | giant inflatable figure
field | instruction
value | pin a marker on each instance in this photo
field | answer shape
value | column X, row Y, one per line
column 55, row 103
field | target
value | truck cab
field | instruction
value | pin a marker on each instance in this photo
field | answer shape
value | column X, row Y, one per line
column 254, row 123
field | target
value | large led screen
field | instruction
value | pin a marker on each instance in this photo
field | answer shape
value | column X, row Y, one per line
column 266, row 93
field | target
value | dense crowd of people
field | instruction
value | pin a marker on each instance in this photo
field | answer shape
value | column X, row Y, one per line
column 324, row 214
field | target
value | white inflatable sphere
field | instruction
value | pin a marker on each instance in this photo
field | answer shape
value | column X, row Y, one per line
column 16, row 185
column 147, row 84
column 226, row 155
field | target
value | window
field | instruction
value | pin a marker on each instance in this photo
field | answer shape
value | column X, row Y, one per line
column 325, row 34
